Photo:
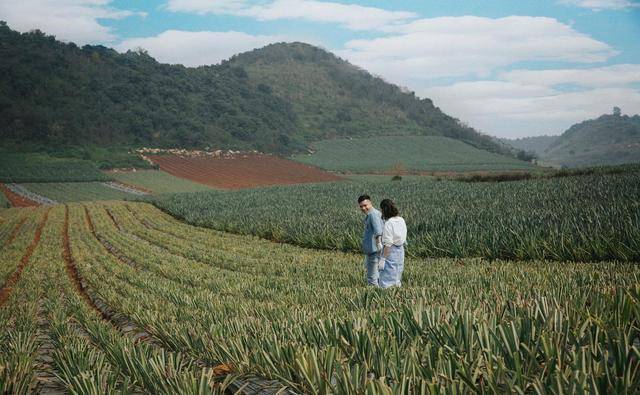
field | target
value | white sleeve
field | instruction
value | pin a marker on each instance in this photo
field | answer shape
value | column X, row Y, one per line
column 387, row 234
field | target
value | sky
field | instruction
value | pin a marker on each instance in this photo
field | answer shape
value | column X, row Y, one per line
column 509, row 68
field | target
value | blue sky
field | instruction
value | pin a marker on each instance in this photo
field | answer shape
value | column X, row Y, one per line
column 508, row 68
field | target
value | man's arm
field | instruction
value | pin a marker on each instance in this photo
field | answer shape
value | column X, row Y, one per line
column 376, row 223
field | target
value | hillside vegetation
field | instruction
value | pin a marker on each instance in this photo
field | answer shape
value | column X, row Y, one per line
column 607, row 140
column 410, row 153
column 275, row 99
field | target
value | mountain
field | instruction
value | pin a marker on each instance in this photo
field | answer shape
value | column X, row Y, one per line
column 537, row 144
column 334, row 98
column 279, row 98
column 607, row 140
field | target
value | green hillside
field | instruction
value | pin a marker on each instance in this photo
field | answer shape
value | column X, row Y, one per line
column 275, row 99
column 413, row 153
column 607, row 140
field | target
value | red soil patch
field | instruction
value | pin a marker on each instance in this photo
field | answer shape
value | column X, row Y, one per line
column 5, row 292
column 17, row 200
column 241, row 171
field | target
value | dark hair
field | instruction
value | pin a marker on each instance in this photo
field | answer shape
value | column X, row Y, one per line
column 388, row 208
column 362, row 198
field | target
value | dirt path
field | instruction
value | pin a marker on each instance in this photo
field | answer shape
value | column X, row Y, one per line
column 17, row 200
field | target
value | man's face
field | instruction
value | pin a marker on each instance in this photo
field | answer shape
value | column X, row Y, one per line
column 365, row 206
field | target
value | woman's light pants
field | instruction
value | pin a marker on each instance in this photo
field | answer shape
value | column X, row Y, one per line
column 391, row 275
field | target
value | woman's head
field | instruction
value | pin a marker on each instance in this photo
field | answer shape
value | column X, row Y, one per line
column 388, row 208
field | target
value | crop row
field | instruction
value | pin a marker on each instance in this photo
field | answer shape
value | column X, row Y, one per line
column 51, row 340
column 214, row 302
column 305, row 318
column 587, row 218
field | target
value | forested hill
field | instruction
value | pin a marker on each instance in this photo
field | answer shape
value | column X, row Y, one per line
column 537, row 144
column 275, row 99
column 334, row 98
column 52, row 93
column 607, row 140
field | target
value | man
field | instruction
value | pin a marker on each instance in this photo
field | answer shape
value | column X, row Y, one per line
column 372, row 239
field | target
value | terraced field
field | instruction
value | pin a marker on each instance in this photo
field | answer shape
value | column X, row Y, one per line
column 120, row 297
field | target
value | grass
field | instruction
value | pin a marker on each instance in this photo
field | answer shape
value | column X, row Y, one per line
column 591, row 217
column 302, row 317
column 158, row 181
column 412, row 153
column 76, row 191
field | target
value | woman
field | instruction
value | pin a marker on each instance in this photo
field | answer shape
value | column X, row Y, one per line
column 394, row 236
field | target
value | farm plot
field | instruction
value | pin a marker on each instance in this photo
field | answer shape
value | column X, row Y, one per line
column 77, row 191
column 18, row 168
column 241, row 171
column 594, row 217
column 123, row 297
column 158, row 181
column 414, row 154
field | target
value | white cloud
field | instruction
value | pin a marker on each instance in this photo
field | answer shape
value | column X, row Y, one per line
column 603, row 4
column 352, row 16
column 509, row 109
column 68, row 20
column 609, row 76
column 197, row 48
column 470, row 45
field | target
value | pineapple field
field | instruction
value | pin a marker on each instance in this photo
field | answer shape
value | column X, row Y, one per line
column 120, row 297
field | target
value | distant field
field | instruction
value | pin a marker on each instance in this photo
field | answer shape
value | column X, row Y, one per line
column 76, row 191
column 158, row 181
column 43, row 168
column 243, row 171
column 414, row 153
column 591, row 217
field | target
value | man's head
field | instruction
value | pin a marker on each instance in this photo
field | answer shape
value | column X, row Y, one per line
column 364, row 202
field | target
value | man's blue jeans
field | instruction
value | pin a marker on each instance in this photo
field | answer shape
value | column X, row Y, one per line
column 371, row 264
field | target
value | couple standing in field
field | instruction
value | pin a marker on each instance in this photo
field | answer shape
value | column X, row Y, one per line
column 385, row 234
